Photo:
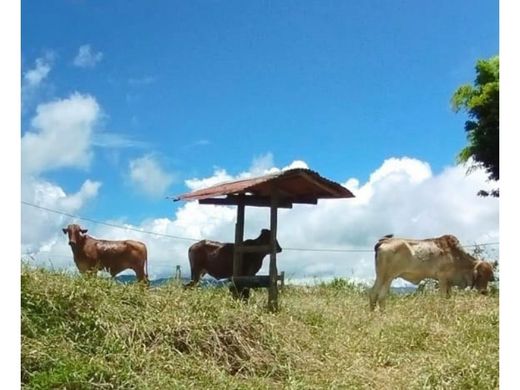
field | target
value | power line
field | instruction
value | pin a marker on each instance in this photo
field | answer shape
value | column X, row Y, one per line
column 359, row 250
column 109, row 224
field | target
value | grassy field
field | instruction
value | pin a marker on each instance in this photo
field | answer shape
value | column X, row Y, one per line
column 93, row 333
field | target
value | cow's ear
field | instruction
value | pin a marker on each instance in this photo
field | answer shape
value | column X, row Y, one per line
column 84, row 231
column 64, row 231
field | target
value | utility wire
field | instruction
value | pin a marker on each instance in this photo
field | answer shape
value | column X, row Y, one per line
column 198, row 239
column 108, row 224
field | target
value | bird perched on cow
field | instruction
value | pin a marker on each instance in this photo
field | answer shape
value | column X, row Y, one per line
column 441, row 258
column 92, row 255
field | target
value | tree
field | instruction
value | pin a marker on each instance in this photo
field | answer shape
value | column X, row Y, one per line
column 481, row 102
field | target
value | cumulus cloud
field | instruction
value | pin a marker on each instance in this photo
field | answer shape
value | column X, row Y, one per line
column 40, row 230
column 34, row 81
column 34, row 77
column 402, row 197
column 86, row 57
column 147, row 175
column 60, row 135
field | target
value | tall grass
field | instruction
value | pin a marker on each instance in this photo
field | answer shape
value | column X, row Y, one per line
column 88, row 333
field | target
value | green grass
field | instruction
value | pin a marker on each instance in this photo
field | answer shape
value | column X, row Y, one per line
column 93, row 333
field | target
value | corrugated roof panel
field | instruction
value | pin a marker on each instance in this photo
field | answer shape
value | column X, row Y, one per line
column 292, row 183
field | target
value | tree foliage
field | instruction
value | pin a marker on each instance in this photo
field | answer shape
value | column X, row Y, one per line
column 481, row 102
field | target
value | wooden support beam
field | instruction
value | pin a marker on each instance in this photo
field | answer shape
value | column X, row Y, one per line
column 272, row 300
column 257, row 281
column 239, row 238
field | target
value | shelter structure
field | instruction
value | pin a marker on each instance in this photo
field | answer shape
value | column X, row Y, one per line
column 277, row 190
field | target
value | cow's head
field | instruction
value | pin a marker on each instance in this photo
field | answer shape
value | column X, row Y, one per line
column 265, row 238
column 75, row 233
column 482, row 275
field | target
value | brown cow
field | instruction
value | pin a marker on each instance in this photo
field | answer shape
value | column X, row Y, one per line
column 216, row 258
column 441, row 258
column 92, row 255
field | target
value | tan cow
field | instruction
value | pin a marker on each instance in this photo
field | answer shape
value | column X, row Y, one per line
column 92, row 255
column 441, row 258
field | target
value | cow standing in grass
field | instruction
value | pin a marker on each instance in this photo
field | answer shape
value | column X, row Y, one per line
column 92, row 255
column 216, row 258
column 441, row 258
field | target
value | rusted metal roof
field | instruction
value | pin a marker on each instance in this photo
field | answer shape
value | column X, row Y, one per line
column 296, row 185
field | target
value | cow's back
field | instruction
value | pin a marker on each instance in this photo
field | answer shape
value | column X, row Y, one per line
column 212, row 257
column 120, row 254
column 409, row 259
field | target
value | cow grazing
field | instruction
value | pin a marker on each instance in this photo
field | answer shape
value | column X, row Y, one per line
column 441, row 258
column 216, row 258
column 92, row 255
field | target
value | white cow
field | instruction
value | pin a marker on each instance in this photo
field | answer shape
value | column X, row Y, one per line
column 441, row 258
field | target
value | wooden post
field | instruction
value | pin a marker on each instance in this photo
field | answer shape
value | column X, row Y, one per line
column 239, row 239
column 273, row 273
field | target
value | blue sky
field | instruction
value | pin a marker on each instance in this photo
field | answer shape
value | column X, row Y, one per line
column 124, row 104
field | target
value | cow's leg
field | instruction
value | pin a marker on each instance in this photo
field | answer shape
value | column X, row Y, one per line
column 375, row 292
column 140, row 274
column 444, row 287
column 383, row 292
column 239, row 292
column 90, row 272
column 195, row 276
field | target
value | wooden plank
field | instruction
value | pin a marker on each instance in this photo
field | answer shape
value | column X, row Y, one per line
column 251, row 281
column 253, row 248
column 249, row 200
column 259, row 201
column 257, row 281
column 318, row 184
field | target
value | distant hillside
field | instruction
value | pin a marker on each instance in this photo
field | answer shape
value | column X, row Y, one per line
column 126, row 279
column 210, row 282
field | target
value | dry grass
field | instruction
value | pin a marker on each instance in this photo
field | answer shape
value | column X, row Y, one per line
column 83, row 333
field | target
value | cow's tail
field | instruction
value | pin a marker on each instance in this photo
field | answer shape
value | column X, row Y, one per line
column 146, row 265
column 381, row 240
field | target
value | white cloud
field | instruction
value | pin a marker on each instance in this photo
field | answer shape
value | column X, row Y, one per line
column 147, row 175
column 403, row 197
column 61, row 135
column 198, row 143
column 86, row 57
column 34, row 81
column 261, row 164
column 41, row 228
column 116, row 140
column 219, row 176
column 34, row 77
